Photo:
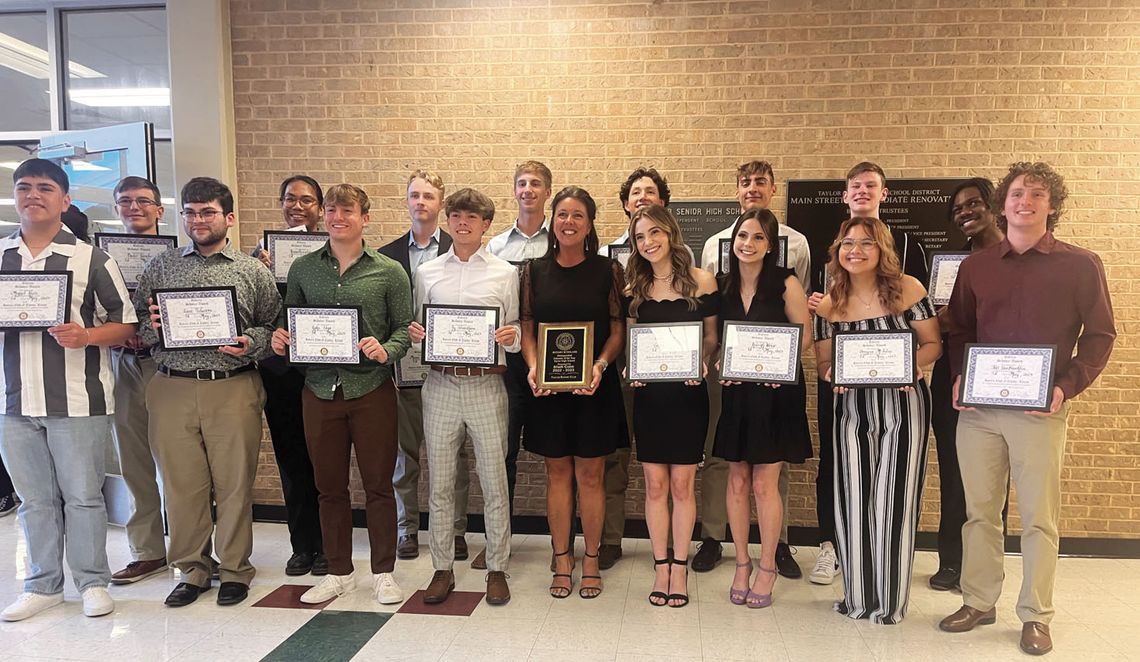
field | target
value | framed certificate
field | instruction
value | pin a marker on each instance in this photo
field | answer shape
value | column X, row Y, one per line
column 722, row 256
column 323, row 334
column 782, row 252
column 565, row 355
column 410, row 370
column 460, row 335
column 621, row 253
column 943, row 274
column 1008, row 376
column 664, row 352
column 197, row 317
column 873, row 359
column 34, row 300
column 754, row 352
column 284, row 247
column 132, row 251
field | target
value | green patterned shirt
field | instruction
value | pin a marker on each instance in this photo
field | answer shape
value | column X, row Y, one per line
column 258, row 302
column 380, row 287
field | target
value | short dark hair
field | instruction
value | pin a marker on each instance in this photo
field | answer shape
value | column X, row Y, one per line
column 307, row 180
column 587, row 200
column 132, row 182
column 662, row 186
column 208, row 189
column 867, row 166
column 42, row 168
column 985, row 191
column 468, row 199
column 753, row 168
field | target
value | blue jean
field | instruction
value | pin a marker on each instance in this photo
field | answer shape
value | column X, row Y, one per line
column 57, row 465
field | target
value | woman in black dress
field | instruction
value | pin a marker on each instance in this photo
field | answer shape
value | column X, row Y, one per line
column 761, row 426
column 575, row 431
column 670, row 419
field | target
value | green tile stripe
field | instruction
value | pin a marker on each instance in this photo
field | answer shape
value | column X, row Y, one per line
column 330, row 636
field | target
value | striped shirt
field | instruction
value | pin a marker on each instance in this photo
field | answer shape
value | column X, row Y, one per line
column 41, row 378
column 258, row 302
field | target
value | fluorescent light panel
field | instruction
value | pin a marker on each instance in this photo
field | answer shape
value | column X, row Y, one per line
column 107, row 97
column 32, row 61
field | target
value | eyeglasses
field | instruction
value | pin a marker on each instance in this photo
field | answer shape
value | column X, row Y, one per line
column 206, row 214
column 971, row 204
column 864, row 245
column 305, row 200
column 143, row 203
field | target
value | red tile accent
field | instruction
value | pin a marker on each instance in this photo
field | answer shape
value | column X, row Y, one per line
column 459, row 603
column 288, row 596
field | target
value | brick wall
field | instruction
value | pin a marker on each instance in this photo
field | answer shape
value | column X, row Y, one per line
column 363, row 91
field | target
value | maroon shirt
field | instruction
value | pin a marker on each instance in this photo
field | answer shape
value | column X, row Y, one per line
column 1052, row 294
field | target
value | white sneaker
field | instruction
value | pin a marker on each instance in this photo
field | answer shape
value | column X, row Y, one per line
column 387, row 591
column 97, row 602
column 30, row 604
column 825, row 565
column 330, row 586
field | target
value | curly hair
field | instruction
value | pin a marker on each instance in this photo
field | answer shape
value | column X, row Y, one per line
column 641, row 173
column 639, row 272
column 888, row 273
column 1039, row 172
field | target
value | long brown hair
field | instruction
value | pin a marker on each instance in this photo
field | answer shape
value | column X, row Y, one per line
column 639, row 272
column 888, row 273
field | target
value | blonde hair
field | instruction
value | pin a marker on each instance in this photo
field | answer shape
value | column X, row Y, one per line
column 347, row 195
column 428, row 176
column 638, row 271
column 534, row 168
column 888, row 273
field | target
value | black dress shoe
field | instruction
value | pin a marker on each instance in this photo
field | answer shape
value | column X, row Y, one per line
column 786, row 564
column 184, row 594
column 320, row 565
column 946, row 579
column 299, row 564
column 231, row 593
column 608, row 555
column 708, row 555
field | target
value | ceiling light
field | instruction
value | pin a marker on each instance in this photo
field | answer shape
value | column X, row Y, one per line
column 32, row 61
column 121, row 96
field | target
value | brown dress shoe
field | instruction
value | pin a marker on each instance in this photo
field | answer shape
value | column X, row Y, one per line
column 1035, row 638
column 460, row 548
column 497, row 591
column 138, row 571
column 408, row 547
column 608, row 555
column 966, row 618
column 480, row 562
column 442, row 584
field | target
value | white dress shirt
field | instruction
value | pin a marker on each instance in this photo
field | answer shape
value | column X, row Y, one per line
column 515, row 246
column 799, row 257
column 483, row 280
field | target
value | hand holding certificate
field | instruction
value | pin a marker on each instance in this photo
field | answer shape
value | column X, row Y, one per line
column 767, row 353
column 1008, row 377
column 873, row 359
column 323, row 335
column 565, row 356
column 665, row 352
column 197, row 318
column 34, row 300
column 460, row 335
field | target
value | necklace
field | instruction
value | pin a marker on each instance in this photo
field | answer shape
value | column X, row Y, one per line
column 861, row 299
column 668, row 276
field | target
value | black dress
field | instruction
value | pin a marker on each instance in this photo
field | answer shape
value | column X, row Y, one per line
column 565, row 424
column 759, row 424
column 671, row 419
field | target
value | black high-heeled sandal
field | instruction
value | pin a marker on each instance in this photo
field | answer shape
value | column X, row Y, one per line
column 561, row 592
column 596, row 590
column 682, row 597
column 659, row 595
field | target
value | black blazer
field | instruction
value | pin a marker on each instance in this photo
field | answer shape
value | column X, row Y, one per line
column 398, row 249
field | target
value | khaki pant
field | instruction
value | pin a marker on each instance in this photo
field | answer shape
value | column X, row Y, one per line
column 206, row 435
column 406, row 477
column 136, row 459
column 993, row 446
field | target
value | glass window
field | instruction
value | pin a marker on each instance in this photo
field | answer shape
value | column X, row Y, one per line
column 24, row 72
column 126, row 51
column 11, row 156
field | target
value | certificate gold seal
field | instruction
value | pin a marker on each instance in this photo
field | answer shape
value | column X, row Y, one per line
column 459, row 351
column 324, row 351
column 201, row 334
column 759, row 367
column 23, row 316
column 873, row 372
column 1005, row 392
column 664, row 367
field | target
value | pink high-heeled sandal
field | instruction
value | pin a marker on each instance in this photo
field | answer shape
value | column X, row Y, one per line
column 739, row 596
column 760, row 600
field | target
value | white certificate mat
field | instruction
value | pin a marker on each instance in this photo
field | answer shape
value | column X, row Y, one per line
column 460, row 335
column 874, row 359
column 285, row 247
column 621, row 253
column 1008, row 376
column 410, row 370
column 197, row 317
column 133, row 251
column 943, row 274
column 664, row 352
column 324, row 334
column 34, row 300
column 756, row 352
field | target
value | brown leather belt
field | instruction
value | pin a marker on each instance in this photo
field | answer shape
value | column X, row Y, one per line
column 467, row 371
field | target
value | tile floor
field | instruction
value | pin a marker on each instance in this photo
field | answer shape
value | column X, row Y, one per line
column 1098, row 617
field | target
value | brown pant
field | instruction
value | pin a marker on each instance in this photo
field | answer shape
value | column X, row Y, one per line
column 206, row 436
column 333, row 428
